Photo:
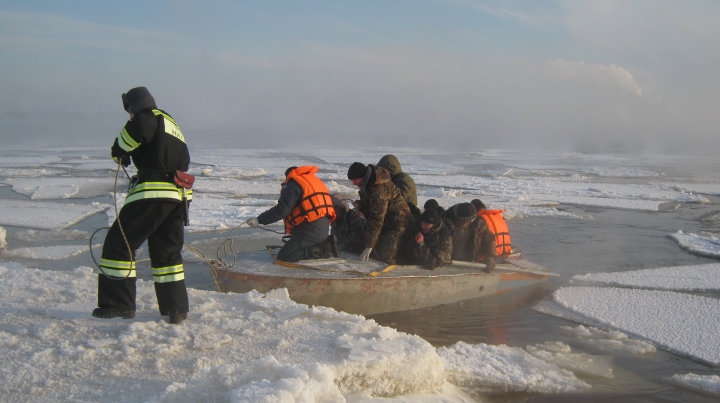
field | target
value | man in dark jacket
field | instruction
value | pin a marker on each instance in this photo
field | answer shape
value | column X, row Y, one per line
column 384, row 208
column 429, row 242
column 307, row 209
column 472, row 239
column 154, row 210
column 349, row 226
column 402, row 180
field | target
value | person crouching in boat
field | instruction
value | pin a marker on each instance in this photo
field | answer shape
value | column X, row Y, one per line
column 428, row 242
column 384, row 208
column 349, row 226
column 496, row 223
column 472, row 239
column 307, row 209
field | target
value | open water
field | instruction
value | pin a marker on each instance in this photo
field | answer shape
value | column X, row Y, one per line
column 604, row 240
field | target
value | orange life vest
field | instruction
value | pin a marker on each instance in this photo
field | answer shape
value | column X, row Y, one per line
column 315, row 202
column 497, row 224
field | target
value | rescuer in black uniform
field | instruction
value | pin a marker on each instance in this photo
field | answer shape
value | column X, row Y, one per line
column 154, row 210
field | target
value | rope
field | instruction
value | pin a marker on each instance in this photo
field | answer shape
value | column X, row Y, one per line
column 117, row 218
column 220, row 263
column 306, row 266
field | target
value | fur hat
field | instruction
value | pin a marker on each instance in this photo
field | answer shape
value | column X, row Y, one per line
column 465, row 211
column 357, row 170
column 430, row 216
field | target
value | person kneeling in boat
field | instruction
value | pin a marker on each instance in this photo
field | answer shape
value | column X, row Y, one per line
column 429, row 242
column 384, row 208
column 349, row 226
column 496, row 223
column 307, row 209
column 472, row 239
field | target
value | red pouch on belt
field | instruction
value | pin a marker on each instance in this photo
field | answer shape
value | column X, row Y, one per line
column 184, row 179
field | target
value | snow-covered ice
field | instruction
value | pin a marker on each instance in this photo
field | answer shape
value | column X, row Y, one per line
column 684, row 324
column 45, row 215
column 254, row 347
column 694, row 243
column 233, row 347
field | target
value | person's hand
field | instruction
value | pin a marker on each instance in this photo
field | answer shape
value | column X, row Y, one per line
column 124, row 160
column 489, row 265
column 419, row 237
column 365, row 255
column 253, row 222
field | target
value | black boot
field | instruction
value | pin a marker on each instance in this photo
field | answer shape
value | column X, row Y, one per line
column 321, row 251
column 176, row 318
column 113, row 312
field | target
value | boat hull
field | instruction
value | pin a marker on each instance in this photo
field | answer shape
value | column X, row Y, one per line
column 404, row 288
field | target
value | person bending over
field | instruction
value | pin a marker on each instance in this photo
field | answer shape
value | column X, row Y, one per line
column 307, row 210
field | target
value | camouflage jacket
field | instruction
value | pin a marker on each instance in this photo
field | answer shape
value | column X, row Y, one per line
column 403, row 181
column 476, row 243
column 382, row 204
column 433, row 252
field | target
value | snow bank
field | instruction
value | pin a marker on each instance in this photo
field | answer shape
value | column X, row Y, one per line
column 233, row 347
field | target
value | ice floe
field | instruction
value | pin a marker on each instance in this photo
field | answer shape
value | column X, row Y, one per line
column 704, row 277
column 688, row 325
column 700, row 245
column 45, row 215
column 709, row 384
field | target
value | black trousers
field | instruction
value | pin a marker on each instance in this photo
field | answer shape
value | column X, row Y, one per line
column 161, row 224
column 298, row 248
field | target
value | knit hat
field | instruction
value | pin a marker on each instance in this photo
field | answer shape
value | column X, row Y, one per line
column 465, row 212
column 478, row 204
column 287, row 171
column 430, row 216
column 431, row 204
column 137, row 99
column 357, row 170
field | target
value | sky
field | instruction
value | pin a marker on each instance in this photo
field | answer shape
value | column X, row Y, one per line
column 587, row 76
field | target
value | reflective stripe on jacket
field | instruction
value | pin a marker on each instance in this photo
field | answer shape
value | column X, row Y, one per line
column 157, row 190
column 495, row 221
column 315, row 202
column 158, row 149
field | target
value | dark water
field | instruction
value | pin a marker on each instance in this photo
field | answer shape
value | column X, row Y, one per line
column 613, row 240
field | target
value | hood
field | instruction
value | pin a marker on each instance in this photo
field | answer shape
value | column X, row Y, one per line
column 139, row 98
column 391, row 163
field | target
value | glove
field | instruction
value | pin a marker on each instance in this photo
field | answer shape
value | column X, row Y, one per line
column 125, row 161
column 253, row 222
column 365, row 255
column 489, row 265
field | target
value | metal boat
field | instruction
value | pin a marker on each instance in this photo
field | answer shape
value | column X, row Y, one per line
column 353, row 286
